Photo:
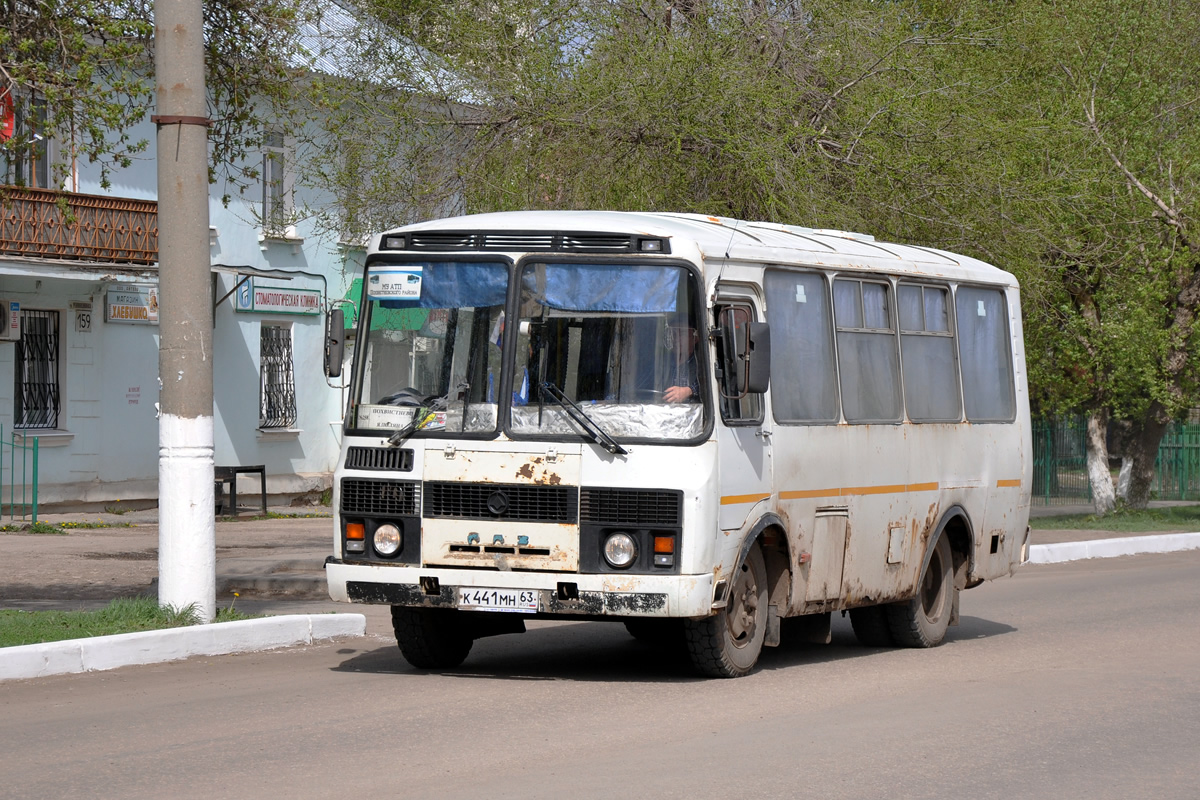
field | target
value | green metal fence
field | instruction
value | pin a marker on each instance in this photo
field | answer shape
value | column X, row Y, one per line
column 22, row 474
column 1060, row 462
column 1177, row 468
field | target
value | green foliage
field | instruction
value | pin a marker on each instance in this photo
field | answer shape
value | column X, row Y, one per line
column 123, row 615
column 42, row 527
column 82, row 72
column 1172, row 518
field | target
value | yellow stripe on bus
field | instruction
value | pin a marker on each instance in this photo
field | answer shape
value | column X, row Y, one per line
column 849, row 491
column 734, row 499
column 1014, row 482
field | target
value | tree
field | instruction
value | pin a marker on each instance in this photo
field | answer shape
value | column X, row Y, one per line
column 1072, row 160
column 740, row 109
column 80, row 72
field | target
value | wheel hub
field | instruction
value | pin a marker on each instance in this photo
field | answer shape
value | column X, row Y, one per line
column 742, row 617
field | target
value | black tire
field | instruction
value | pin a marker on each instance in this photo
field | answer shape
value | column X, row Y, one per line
column 923, row 620
column 871, row 628
column 728, row 644
column 431, row 638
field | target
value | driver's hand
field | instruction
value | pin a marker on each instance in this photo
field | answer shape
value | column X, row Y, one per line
column 677, row 394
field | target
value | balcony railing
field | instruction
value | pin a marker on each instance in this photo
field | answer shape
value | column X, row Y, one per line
column 113, row 230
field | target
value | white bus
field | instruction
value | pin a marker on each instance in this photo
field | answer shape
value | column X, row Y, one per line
column 694, row 425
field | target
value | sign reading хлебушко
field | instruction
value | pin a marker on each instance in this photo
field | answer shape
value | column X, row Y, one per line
column 136, row 305
column 277, row 300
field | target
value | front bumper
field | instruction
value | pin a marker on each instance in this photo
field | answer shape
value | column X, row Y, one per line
column 566, row 594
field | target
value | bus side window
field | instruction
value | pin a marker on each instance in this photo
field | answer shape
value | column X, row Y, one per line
column 985, row 353
column 748, row 409
column 803, row 373
column 927, row 348
column 868, row 361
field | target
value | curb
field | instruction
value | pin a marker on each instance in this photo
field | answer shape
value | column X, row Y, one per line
column 1111, row 548
column 172, row 644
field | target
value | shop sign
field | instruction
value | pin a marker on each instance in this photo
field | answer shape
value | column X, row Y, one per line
column 137, row 305
column 277, row 300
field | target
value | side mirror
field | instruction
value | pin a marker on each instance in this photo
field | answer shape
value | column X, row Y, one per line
column 746, row 354
column 335, row 343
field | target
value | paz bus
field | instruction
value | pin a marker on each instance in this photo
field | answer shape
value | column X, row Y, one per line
column 714, row 431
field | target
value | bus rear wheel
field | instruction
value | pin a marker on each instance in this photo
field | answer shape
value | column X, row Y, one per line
column 923, row 620
column 728, row 644
column 431, row 638
column 871, row 627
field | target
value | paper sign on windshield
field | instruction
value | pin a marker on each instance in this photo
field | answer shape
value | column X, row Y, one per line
column 394, row 283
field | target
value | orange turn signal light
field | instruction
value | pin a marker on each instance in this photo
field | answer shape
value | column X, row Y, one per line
column 356, row 530
column 664, row 544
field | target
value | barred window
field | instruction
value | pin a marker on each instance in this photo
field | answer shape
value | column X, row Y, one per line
column 275, row 208
column 277, row 385
column 36, row 371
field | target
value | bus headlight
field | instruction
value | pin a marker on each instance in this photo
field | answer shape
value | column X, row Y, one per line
column 387, row 540
column 620, row 550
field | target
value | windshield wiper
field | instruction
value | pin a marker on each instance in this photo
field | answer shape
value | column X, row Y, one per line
column 576, row 413
column 422, row 415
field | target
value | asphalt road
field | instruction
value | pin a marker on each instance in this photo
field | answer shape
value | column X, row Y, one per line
column 1078, row 680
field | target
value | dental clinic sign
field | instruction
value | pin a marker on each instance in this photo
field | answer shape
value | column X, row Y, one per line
column 136, row 305
column 276, row 300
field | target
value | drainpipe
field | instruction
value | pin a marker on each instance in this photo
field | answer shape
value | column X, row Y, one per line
column 186, row 528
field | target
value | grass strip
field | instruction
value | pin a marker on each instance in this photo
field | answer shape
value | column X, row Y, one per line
column 1171, row 518
column 123, row 615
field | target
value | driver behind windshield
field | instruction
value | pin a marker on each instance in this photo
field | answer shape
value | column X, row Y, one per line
column 684, row 377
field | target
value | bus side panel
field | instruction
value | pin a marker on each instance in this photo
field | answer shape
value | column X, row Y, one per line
column 895, row 483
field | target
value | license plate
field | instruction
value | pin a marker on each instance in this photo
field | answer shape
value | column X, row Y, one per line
column 480, row 599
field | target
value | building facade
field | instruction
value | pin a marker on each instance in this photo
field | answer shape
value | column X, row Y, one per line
column 79, row 352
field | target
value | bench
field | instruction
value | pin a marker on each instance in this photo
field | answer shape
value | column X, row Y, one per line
column 229, row 475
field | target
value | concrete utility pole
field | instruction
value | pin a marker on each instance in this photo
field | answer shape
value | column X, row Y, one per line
column 187, row 562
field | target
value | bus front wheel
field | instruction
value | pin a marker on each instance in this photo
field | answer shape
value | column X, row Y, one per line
column 923, row 620
column 728, row 644
column 431, row 638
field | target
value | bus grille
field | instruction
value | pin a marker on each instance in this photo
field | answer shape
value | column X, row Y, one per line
column 394, row 459
column 501, row 501
column 659, row 507
column 383, row 498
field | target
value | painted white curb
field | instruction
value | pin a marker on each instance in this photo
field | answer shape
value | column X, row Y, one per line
column 153, row 647
column 1110, row 548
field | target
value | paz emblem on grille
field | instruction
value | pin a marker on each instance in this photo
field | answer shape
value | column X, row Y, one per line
column 497, row 502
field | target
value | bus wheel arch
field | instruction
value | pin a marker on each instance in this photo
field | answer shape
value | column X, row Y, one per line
column 729, row 643
column 922, row 620
column 956, row 527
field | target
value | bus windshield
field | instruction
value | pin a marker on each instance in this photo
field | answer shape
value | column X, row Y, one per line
column 620, row 341
column 430, row 335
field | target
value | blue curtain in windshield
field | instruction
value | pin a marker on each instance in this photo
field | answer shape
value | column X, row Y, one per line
column 450, row 285
column 605, row 287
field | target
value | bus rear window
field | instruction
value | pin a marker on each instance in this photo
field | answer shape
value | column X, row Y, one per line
column 985, row 355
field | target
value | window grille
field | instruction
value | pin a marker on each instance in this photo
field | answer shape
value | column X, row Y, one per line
column 277, row 394
column 36, row 371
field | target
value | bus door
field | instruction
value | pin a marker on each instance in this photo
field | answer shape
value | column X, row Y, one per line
column 743, row 435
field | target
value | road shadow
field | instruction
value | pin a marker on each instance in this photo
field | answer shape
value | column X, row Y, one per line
column 604, row 652
column 594, row 651
column 844, row 645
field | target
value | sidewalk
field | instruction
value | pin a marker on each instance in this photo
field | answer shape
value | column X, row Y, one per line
column 275, row 562
column 273, row 565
